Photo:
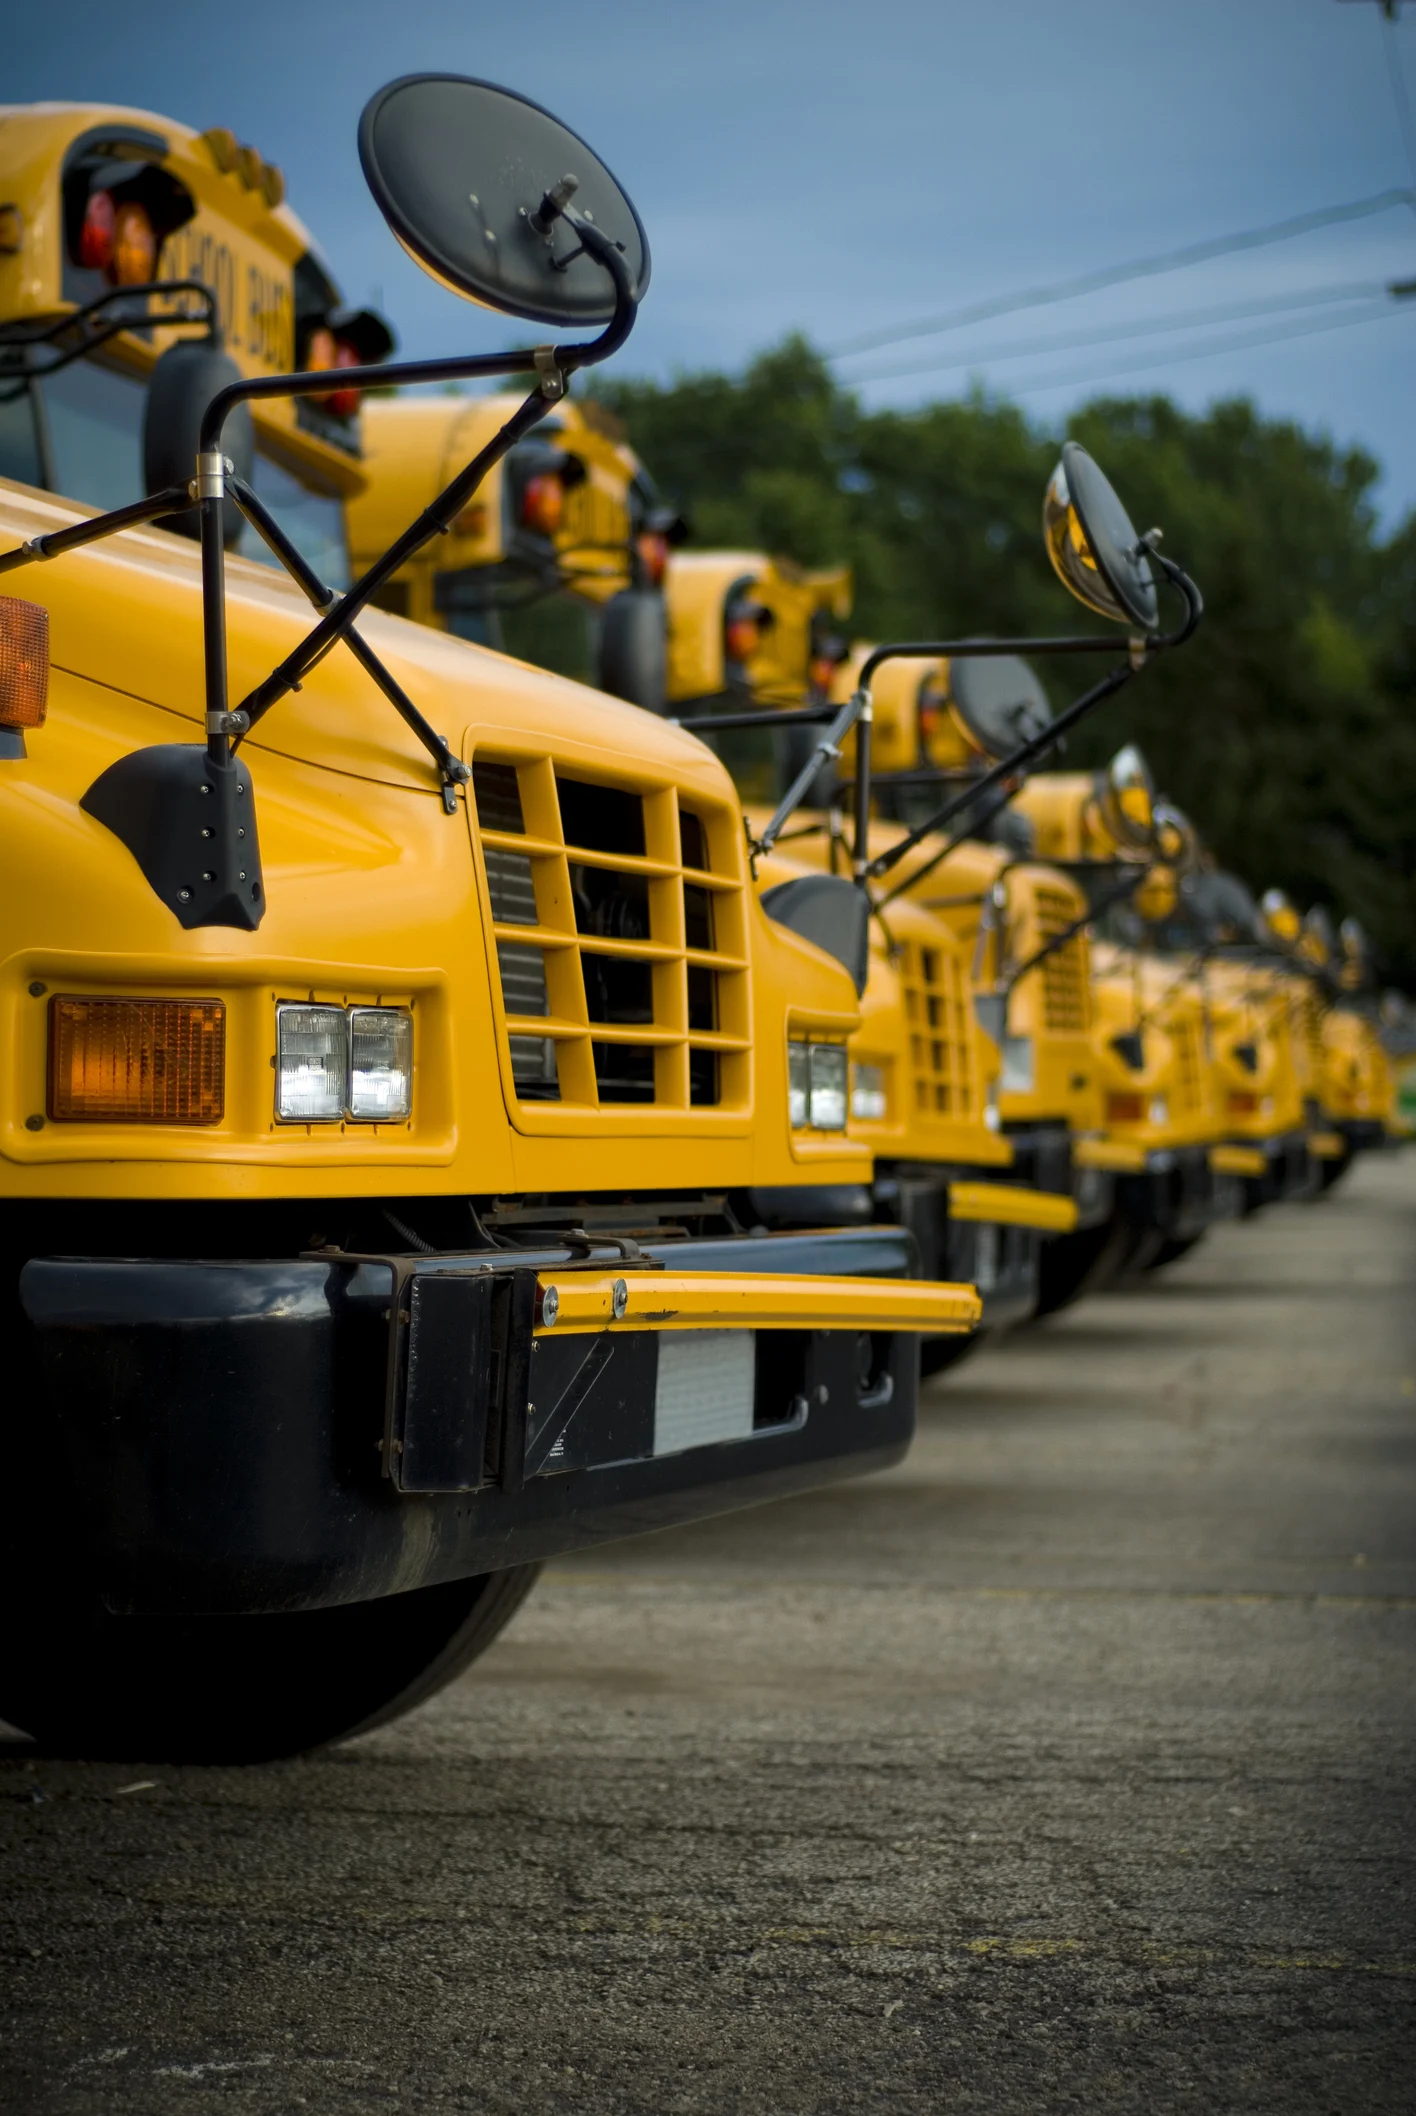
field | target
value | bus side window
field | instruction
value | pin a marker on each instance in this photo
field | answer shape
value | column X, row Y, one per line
column 95, row 417
column 313, row 520
column 19, row 440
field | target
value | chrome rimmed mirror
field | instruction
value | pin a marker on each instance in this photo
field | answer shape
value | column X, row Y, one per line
column 1279, row 917
column 1176, row 839
column 1125, row 794
column 1093, row 545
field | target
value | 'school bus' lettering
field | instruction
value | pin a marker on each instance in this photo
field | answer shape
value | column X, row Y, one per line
column 255, row 305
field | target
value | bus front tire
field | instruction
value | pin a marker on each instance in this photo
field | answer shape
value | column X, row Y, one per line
column 241, row 1689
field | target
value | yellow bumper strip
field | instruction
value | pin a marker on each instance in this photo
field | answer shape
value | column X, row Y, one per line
column 1327, row 1145
column 1117, row 1156
column 1237, row 1161
column 1011, row 1205
column 751, row 1300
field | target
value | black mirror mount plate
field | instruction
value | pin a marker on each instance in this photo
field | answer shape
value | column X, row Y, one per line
column 829, row 911
column 191, row 826
column 1129, row 1046
column 459, row 168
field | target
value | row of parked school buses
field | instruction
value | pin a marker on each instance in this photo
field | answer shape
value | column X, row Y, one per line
column 517, row 1032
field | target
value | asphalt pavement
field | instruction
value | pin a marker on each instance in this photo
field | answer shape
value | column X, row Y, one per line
column 1068, row 1766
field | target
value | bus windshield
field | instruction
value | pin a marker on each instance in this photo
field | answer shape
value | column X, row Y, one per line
column 79, row 433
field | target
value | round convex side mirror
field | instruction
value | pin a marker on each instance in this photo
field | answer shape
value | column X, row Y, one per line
column 632, row 659
column 182, row 384
column 1279, row 916
column 1093, row 545
column 471, row 179
column 997, row 700
column 1176, row 838
column 1126, row 795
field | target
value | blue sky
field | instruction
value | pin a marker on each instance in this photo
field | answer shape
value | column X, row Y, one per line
column 845, row 169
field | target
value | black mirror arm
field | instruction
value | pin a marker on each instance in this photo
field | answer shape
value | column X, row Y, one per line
column 552, row 364
column 1059, row 940
column 95, row 329
column 1025, row 755
column 1193, row 968
column 452, row 770
column 828, row 747
column 1142, row 648
column 952, row 844
column 173, row 499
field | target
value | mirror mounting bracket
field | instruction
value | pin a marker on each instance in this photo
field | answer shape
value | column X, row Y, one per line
column 160, row 802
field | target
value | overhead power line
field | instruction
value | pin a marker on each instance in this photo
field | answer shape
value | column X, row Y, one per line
column 1117, row 275
column 1204, row 352
column 1399, row 95
column 1160, row 326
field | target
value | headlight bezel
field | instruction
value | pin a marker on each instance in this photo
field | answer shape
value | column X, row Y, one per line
column 818, row 1086
column 339, row 1028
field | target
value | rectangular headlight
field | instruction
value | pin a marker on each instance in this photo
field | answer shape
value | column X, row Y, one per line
column 380, row 1063
column 1017, row 1075
column 868, row 1103
column 312, row 1064
column 799, row 1084
column 828, row 1086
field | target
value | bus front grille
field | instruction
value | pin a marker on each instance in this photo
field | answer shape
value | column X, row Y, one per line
column 937, row 1019
column 1065, row 972
column 619, row 919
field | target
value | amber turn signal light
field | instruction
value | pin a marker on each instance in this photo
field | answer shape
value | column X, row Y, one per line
column 137, row 1061
column 1125, row 1109
column 24, row 662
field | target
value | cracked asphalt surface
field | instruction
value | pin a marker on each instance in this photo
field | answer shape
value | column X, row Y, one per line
column 1067, row 1766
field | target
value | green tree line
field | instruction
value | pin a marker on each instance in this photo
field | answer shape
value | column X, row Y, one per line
column 1285, row 729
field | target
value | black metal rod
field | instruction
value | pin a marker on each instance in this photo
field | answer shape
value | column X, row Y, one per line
column 829, row 746
column 1027, row 753
column 451, row 768
column 860, row 852
column 17, row 335
column 551, row 362
column 951, row 844
column 213, row 534
column 449, row 503
column 1060, row 940
column 940, row 649
column 173, row 499
column 290, row 555
column 784, row 716
column 92, row 339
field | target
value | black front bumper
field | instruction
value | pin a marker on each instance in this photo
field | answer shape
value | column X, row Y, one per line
column 1178, row 1193
column 1043, row 1159
column 1001, row 1262
column 224, row 1427
column 1291, row 1171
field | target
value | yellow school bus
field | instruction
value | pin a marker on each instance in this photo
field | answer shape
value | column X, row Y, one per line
column 99, row 202
column 560, row 559
column 401, row 1062
column 749, row 632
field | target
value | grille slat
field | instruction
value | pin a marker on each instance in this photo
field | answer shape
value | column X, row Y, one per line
column 619, row 922
column 1065, row 993
column 937, row 1011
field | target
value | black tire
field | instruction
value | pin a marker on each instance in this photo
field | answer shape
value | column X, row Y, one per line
column 938, row 1354
column 1076, row 1264
column 1331, row 1173
column 241, row 1689
column 1172, row 1249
